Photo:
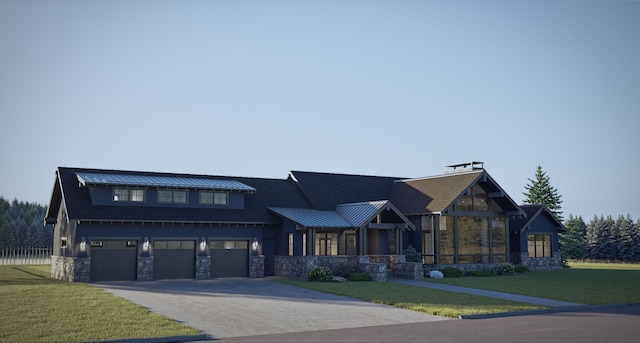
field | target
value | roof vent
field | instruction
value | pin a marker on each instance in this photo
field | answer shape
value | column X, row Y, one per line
column 464, row 167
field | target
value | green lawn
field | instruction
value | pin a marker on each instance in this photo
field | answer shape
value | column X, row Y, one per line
column 432, row 301
column 585, row 283
column 36, row 308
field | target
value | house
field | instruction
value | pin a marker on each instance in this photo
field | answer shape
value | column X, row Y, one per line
column 534, row 238
column 132, row 225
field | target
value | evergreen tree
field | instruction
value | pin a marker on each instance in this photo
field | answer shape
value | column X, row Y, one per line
column 600, row 239
column 628, row 239
column 573, row 243
column 6, row 234
column 540, row 191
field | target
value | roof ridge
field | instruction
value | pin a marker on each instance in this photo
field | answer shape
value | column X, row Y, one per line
column 439, row 176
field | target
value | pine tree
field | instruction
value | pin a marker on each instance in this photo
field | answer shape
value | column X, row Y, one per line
column 573, row 243
column 629, row 239
column 540, row 192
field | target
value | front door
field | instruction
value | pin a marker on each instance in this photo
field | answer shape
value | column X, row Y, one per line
column 352, row 248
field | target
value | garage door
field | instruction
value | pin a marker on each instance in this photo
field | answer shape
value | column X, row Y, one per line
column 114, row 260
column 174, row 259
column 229, row 258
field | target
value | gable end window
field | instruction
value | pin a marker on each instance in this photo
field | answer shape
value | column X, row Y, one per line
column 166, row 196
column 214, row 198
column 127, row 194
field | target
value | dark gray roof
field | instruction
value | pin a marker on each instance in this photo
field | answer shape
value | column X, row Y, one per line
column 325, row 191
column 532, row 212
column 270, row 192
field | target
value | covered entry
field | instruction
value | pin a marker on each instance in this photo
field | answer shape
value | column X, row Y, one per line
column 229, row 258
column 173, row 259
column 114, row 260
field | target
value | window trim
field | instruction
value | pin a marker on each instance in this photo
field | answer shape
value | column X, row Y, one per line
column 129, row 194
column 215, row 196
column 165, row 198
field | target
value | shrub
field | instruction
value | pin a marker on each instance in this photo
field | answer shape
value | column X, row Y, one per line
column 451, row 272
column 504, row 268
column 481, row 273
column 412, row 255
column 320, row 274
column 359, row 276
column 521, row 269
column 345, row 269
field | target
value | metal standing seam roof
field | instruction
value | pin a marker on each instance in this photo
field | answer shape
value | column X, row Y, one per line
column 360, row 213
column 162, row 181
column 312, row 218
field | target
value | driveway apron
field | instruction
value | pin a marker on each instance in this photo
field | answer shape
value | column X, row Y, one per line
column 245, row 307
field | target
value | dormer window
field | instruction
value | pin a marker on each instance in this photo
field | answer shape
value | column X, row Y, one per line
column 214, row 198
column 128, row 194
column 167, row 196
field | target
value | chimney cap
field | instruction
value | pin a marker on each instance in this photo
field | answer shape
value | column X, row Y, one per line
column 465, row 167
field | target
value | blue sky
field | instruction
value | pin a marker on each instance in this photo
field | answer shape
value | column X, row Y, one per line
column 392, row 88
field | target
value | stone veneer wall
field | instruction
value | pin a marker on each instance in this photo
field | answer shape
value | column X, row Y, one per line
column 542, row 263
column 409, row 270
column 256, row 266
column 298, row 267
column 145, row 269
column 71, row 269
column 203, row 267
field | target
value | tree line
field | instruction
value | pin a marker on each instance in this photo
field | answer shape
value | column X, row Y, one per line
column 22, row 225
column 603, row 238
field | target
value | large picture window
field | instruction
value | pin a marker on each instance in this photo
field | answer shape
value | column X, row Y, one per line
column 539, row 245
column 473, row 239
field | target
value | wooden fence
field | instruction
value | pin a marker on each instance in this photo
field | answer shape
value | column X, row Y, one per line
column 25, row 255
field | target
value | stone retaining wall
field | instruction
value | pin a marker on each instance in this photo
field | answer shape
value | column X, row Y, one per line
column 298, row 267
column 542, row 263
column 409, row 270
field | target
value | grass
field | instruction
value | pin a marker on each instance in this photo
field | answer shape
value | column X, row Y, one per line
column 37, row 308
column 584, row 283
column 431, row 301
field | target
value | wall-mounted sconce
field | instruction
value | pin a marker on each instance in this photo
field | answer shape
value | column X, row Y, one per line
column 254, row 244
column 83, row 244
column 145, row 244
column 203, row 244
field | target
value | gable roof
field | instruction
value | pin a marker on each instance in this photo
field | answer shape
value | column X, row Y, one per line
column 269, row 192
column 325, row 191
column 435, row 194
column 533, row 212
column 354, row 215
column 361, row 213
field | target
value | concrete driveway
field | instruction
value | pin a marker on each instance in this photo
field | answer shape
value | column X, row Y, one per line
column 237, row 307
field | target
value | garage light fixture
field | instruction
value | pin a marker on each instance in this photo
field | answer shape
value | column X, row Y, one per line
column 145, row 245
column 203, row 244
column 254, row 244
column 83, row 244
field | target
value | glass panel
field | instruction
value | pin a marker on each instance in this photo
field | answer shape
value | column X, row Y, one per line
column 333, row 244
column 290, row 244
column 499, row 236
column 242, row 245
column 473, row 238
column 304, row 244
column 546, row 245
column 165, row 196
column 206, row 198
column 180, row 197
column 480, row 200
column 220, row 198
column 448, row 259
column 464, row 203
column 159, row 244
column 229, row 245
column 173, row 244
column 188, row 244
column 531, row 245
column 137, row 195
column 447, row 236
column 120, row 194
column 217, row 244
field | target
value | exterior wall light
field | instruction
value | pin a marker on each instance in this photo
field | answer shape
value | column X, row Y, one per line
column 145, row 245
column 83, row 245
column 203, row 244
column 254, row 244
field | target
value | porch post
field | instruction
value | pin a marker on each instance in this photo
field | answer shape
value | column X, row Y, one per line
column 311, row 244
column 398, row 241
